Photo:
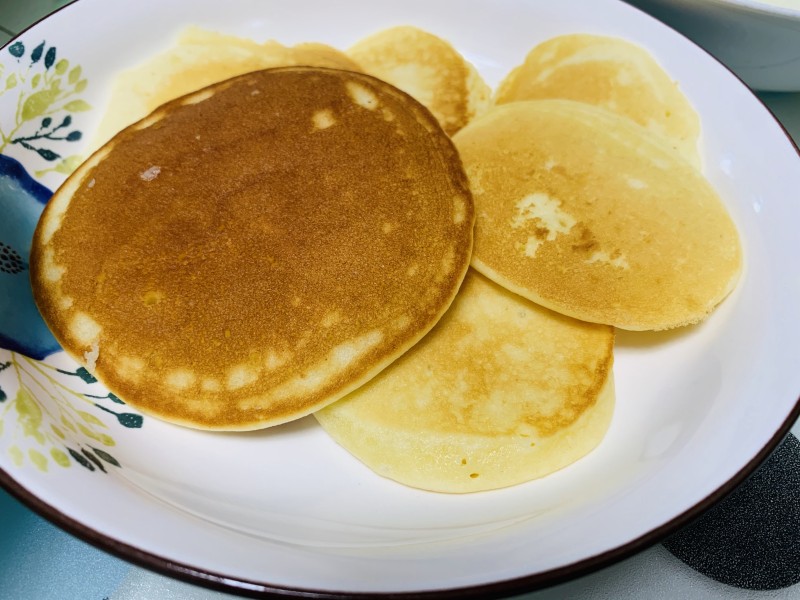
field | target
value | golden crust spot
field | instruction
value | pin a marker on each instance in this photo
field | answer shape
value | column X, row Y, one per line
column 152, row 297
column 275, row 360
column 180, row 379
column 542, row 211
column 331, row 318
column 615, row 259
column 362, row 95
column 209, row 384
column 130, row 368
column 241, row 376
column 388, row 115
column 51, row 269
column 150, row 173
column 84, row 328
column 636, row 184
column 90, row 356
column 401, row 322
column 346, row 353
column 459, row 211
column 323, row 119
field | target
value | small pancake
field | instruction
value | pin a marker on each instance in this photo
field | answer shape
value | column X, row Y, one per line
column 251, row 252
column 428, row 68
column 612, row 73
column 589, row 214
column 500, row 392
column 200, row 58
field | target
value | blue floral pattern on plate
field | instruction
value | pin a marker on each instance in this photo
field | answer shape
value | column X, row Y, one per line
column 21, row 202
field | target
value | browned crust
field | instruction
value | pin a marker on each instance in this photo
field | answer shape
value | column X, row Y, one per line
column 280, row 263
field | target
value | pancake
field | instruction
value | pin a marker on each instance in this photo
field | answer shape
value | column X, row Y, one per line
column 197, row 59
column 428, row 68
column 590, row 215
column 612, row 73
column 500, row 392
column 253, row 251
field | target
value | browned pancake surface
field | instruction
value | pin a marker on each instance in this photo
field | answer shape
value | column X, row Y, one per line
column 254, row 251
column 199, row 58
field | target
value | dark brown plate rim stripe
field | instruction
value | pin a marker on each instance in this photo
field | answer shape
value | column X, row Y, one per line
column 498, row 589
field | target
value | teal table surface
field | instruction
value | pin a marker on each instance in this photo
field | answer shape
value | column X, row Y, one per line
column 38, row 561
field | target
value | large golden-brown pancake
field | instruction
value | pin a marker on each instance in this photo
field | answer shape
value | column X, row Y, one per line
column 501, row 391
column 428, row 68
column 612, row 73
column 251, row 252
column 591, row 215
column 200, row 58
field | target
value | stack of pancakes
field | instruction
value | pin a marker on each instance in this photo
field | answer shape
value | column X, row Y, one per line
column 297, row 240
column 588, row 195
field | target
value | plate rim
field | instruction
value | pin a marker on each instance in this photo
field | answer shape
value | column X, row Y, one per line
column 243, row 587
column 496, row 589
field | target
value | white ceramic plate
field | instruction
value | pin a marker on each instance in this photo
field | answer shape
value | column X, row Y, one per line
column 288, row 510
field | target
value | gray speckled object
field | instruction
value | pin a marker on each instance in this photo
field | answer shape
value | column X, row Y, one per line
column 751, row 539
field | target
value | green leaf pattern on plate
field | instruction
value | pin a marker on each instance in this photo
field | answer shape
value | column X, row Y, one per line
column 48, row 423
column 51, row 418
column 46, row 89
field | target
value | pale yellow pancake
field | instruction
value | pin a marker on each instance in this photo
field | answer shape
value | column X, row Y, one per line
column 199, row 58
column 500, row 392
column 589, row 214
column 428, row 68
column 254, row 251
column 612, row 73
